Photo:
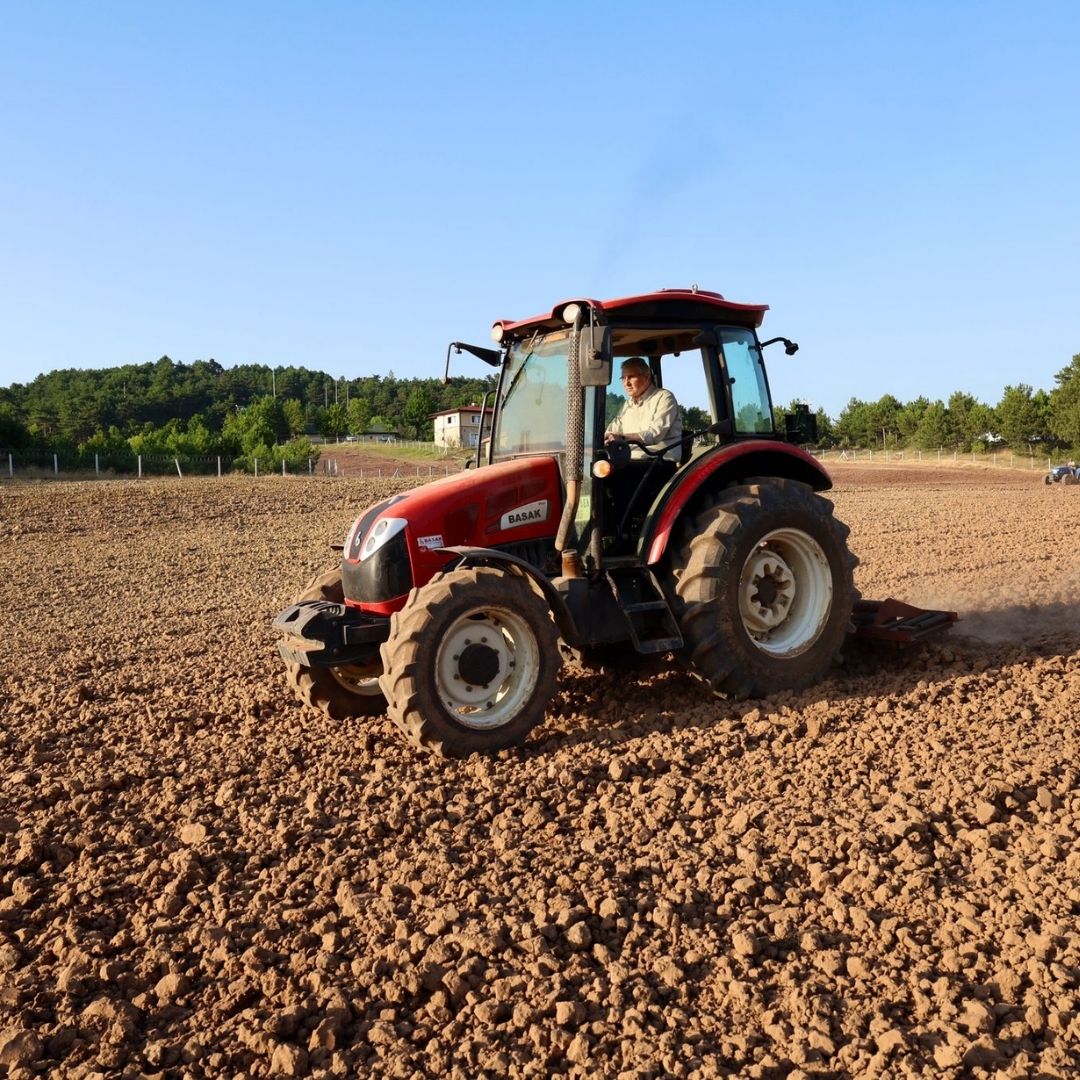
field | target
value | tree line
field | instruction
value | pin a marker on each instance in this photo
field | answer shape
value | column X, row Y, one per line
column 1025, row 419
column 203, row 409
column 249, row 411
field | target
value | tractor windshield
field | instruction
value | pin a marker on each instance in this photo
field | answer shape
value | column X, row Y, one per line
column 532, row 413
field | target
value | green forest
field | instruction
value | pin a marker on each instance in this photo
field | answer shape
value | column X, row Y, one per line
column 1025, row 420
column 201, row 410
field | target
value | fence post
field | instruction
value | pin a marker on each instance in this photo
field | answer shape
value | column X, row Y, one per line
column 178, row 472
column 219, row 466
column 256, row 467
column 10, row 467
column 282, row 466
column 309, row 468
column 140, row 466
column 56, row 465
column 97, row 470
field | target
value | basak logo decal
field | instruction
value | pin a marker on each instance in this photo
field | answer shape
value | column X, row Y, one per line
column 528, row 514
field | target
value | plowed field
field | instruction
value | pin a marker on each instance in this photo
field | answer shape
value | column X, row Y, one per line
column 198, row 877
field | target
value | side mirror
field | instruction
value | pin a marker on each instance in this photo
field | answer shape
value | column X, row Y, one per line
column 594, row 355
column 801, row 425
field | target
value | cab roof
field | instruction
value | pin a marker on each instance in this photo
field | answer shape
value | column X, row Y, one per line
column 663, row 307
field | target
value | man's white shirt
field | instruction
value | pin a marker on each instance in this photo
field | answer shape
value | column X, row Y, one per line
column 655, row 418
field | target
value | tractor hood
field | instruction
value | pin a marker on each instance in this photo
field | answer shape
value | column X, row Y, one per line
column 399, row 544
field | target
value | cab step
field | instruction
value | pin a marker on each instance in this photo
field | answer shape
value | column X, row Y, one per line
column 652, row 625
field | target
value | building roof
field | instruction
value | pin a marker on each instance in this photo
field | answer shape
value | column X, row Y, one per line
column 454, row 412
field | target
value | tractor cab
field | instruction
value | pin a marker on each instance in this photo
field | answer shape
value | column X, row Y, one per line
column 697, row 344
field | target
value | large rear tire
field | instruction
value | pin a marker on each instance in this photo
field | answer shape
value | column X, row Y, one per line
column 343, row 691
column 763, row 588
column 471, row 662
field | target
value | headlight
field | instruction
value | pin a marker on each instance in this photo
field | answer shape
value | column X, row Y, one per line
column 384, row 531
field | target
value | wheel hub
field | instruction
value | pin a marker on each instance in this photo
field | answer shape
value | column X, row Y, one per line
column 358, row 678
column 768, row 591
column 478, row 663
column 785, row 592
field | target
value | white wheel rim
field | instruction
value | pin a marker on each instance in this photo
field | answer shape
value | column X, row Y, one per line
column 358, row 679
column 513, row 647
column 785, row 592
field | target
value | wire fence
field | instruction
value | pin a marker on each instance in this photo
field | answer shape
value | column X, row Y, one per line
column 49, row 465
column 1003, row 459
column 44, row 464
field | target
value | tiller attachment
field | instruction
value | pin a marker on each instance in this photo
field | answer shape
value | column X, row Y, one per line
column 893, row 620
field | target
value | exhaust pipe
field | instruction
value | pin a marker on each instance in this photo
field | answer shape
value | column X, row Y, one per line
column 575, row 432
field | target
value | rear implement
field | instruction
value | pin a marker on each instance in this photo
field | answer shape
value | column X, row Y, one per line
column 893, row 620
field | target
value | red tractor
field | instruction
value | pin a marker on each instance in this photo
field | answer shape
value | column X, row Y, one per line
column 454, row 602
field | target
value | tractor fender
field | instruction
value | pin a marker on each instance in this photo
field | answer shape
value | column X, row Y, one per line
column 727, row 465
column 502, row 560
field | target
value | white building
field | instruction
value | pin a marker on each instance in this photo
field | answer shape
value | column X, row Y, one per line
column 459, row 427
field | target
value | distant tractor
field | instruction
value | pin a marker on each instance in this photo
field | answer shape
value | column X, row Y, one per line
column 1063, row 474
column 454, row 602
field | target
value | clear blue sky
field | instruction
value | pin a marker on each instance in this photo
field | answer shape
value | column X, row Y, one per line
column 349, row 186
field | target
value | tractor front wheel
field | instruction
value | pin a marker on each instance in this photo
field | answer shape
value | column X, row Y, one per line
column 471, row 662
column 342, row 691
column 763, row 588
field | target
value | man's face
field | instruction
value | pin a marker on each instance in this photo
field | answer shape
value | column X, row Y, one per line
column 636, row 382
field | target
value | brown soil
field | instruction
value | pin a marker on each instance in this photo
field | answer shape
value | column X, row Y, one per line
column 353, row 460
column 200, row 878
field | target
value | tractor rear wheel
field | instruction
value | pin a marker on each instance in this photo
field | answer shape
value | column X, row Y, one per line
column 342, row 691
column 763, row 588
column 471, row 662
column 1068, row 478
